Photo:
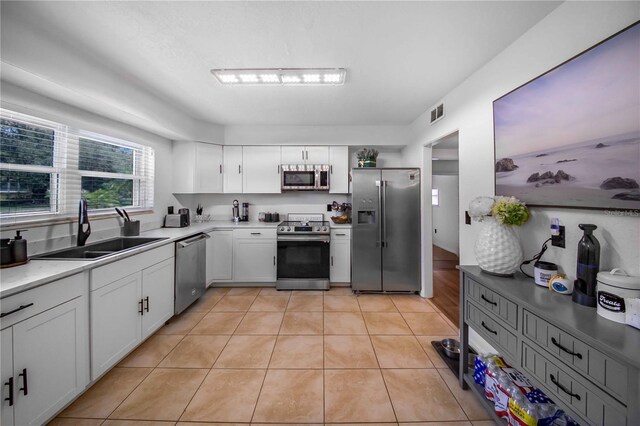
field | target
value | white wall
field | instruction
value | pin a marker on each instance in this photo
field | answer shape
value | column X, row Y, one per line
column 565, row 32
column 445, row 214
column 47, row 238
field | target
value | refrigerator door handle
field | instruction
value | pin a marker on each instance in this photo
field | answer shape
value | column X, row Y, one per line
column 380, row 242
column 384, row 215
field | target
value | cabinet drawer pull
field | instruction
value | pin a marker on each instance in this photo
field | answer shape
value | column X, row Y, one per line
column 562, row 388
column 146, row 299
column 488, row 301
column 562, row 348
column 141, row 306
column 220, row 168
column 21, row 307
column 488, row 329
column 256, row 233
column 239, row 169
column 10, row 384
column 24, row 389
column 341, row 235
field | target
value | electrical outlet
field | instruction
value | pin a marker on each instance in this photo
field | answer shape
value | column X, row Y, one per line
column 328, row 207
column 558, row 240
column 435, row 230
column 467, row 218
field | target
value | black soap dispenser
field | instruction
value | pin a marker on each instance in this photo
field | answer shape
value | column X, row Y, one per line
column 584, row 292
column 19, row 247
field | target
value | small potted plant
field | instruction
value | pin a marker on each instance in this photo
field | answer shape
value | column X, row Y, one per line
column 367, row 157
column 497, row 248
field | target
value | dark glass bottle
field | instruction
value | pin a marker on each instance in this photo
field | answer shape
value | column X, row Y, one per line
column 588, row 266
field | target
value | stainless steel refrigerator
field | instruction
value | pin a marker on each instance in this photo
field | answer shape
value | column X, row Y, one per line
column 386, row 230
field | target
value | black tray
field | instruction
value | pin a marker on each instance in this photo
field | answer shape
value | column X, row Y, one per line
column 453, row 364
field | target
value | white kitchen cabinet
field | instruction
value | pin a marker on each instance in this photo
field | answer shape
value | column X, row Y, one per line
column 115, row 322
column 261, row 169
column 157, row 296
column 340, row 256
column 339, row 170
column 255, row 254
column 127, row 310
column 305, row 155
column 197, row 167
column 232, row 169
column 220, row 256
column 45, row 355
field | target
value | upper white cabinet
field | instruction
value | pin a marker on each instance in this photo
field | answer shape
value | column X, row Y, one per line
column 339, row 169
column 197, row 167
column 305, row 155
column 45, row 355
column 232, row 169
column 261, row 169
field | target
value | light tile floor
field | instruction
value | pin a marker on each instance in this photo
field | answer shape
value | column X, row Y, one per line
column 252, row 355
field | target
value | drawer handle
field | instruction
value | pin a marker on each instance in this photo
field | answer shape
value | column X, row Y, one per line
column 256, row 233
column 488, row 329
column 555, row 342
column 341, row 235
column 488, row 301
column 10, row 384
column 561, row 387
column 4, row 314
column 24, row 389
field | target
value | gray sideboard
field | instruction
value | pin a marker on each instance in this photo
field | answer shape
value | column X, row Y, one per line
column 588, row 365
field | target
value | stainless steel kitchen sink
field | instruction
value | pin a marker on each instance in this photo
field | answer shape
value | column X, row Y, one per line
column 98, row 249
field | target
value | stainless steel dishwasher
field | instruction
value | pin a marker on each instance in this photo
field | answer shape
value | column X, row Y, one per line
column 190, row 271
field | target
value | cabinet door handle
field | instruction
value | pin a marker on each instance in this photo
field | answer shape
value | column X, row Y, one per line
column 239, row 169
column 331, row 260
column 341, row 235
column 487, row 300
column 302, row 152
column 278, row 168
column 562, row 388
column 220, row 168
column 10, row 384
column 146, row 299
column 562, row 348
column 18, row 309
column 140, row 307
column 25, row 382
column 256, row 233
column 488, row 329
column 331, row 169
column 274, row 261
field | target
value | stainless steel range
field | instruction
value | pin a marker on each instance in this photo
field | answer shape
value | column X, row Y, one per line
column 303, row 252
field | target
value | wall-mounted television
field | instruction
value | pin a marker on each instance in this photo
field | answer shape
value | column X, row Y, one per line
column 571, row 137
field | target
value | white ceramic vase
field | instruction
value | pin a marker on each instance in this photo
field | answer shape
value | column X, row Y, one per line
column 498, row 249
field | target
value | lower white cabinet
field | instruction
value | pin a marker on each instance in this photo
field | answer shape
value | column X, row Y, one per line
column 340, row 256
column 220, row 256
column 126, row 311
column 45, row 360
column 254, row 255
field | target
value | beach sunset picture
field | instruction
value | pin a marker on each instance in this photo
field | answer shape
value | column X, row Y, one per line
column 571, row 137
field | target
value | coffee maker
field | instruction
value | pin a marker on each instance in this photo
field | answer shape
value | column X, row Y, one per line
column 245, row 212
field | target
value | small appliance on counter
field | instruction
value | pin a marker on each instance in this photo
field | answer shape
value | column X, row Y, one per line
column 179, row 220
column 235, row 211
column 13, row 251
column 245, row 212
column 584, row 292
column 615, row 288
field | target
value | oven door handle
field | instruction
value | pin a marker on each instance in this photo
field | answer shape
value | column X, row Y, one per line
column 302, row 238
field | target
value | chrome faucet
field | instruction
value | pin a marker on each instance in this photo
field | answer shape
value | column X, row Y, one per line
column 83, row 219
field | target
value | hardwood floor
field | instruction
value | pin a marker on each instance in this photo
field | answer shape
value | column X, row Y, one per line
column 446, row 287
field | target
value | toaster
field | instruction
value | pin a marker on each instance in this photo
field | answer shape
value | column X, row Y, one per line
column 180, row 220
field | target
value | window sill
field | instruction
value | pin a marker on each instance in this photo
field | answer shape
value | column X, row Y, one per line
column 37, row 223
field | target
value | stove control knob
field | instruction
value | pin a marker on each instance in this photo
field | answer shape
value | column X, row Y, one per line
column 316, row 229
column 324, row 229
column 281, row 229
column 288, row 228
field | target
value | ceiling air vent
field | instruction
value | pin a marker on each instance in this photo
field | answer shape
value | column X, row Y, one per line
column 436, row 113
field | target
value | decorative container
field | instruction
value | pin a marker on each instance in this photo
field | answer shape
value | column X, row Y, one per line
column 131, row 228
column 369, row 163
column 497, row 249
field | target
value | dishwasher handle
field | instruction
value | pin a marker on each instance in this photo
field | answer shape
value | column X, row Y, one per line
column 193, row 240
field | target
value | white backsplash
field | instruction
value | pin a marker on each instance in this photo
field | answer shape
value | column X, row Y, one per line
column 219, row 206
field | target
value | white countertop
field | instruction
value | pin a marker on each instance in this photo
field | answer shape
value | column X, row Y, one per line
column 39, row 272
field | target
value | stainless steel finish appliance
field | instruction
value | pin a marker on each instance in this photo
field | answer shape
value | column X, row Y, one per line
column 386, row 230
column 176, row 220
column 190, row 279
column 303, row 253
column 305, row 177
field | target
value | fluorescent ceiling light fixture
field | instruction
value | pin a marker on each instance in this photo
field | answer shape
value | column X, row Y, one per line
column 281, row 76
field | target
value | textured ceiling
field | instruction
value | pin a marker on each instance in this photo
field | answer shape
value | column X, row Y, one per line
column 401, row 57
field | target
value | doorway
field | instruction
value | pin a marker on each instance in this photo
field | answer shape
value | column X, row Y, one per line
column 446, row 226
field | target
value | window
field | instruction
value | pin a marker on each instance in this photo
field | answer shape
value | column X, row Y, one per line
column 435, row 197
column 46, row 167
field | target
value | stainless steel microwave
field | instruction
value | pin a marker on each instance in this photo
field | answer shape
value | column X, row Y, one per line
column 305, row 177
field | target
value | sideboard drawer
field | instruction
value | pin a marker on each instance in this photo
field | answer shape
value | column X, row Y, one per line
column 586, row 399
column 603, row 370
column 489, row 300
column 490, row 329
